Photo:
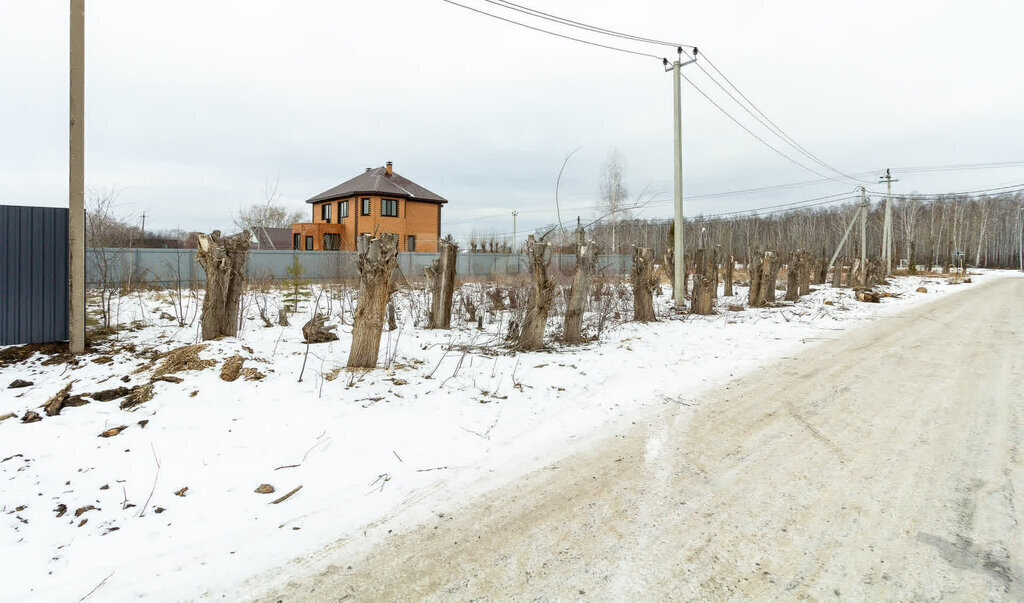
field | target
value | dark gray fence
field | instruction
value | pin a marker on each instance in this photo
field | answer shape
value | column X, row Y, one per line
column 166, row 267
column 33, row 274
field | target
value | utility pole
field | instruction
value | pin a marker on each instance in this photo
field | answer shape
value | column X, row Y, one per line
column 863, row 233
column 143, row 243
column 887, row 229
column 76, row 181
column 515, row 244
column 1020, row 237
column 679, row 242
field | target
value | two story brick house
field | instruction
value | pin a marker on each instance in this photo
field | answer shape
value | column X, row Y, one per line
column 374, row 202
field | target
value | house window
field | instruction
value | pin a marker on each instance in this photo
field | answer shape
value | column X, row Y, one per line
column 389, row 207
column 325, row 212
column 342, row 209
column 309, row 243
column 332, row 241
column 295, row 241
column 410, row 243
column 364, row 206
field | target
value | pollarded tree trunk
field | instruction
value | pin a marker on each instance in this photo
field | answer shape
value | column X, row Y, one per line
column 851, row 276
column 668, row 264
column 792, row 281
column 837, row 274
column 376, row 261
column 224, row 263
column 769, row 275
column 644, row 282
column 586, row 256
column 822, row 271
column 441, row 273
column 754, row 297
column 804, row 274
column 704, row 282
column 714, row 274
column 542, row 293
column 727, row 278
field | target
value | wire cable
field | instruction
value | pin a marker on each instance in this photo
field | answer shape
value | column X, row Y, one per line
column 749, row 131
column 765, row 121
column 552, row 33
column 592, row 28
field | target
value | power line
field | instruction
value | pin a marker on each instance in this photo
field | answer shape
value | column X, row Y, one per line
column 765, row 121
column 552, row 33
column 846, row 194
column 592, row 28
column 1001, row 189
column 755, row 213
column 749, row 131
column 962, row 166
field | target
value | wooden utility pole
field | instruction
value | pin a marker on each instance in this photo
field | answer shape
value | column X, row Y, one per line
column 76, row 182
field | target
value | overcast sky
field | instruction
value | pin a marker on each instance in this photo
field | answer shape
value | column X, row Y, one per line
column 192, row 106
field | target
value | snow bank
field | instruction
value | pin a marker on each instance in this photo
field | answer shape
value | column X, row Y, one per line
column 372, row 451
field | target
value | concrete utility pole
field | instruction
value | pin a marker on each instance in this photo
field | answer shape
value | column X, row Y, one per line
column 887, row 229
column 76, row 182
column 679, row 242
column 1020, row 237
column 515, row 246
column 863, row 230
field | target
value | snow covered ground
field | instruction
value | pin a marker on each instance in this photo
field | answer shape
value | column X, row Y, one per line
column 453, row 414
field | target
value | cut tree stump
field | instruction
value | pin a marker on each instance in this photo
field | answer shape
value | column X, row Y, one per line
column 542, row 293
column 376, row 262
column 792, row 280
column 837, row 275
column 316, row 331
column 668, row 265
column 441, row 274
column 704, row 282
column 754, row 296
column 730, row 262
column 769, row 276
column 586, row 257
column 851, row 276
column 804, row 272
column 224, row 263
column 644, row 282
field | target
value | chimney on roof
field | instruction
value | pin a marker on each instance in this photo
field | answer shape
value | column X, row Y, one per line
column 390, row 170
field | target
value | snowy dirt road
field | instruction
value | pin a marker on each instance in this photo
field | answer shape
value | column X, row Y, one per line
column 883, row 465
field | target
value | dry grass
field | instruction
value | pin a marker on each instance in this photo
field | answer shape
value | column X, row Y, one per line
column 185, row 358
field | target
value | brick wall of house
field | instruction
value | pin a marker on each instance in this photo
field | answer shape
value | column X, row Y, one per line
column 416, row 218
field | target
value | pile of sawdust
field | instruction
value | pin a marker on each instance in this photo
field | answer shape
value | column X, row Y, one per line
column 185, row 358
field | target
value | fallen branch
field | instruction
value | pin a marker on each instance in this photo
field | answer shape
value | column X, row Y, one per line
column 155, row 478
column 285, row 497
column 96, row 588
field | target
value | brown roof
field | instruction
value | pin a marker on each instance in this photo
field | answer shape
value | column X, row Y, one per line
column 377, row 182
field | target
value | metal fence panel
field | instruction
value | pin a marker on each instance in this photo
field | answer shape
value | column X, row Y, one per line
column 33, row 274
column 170, row 267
